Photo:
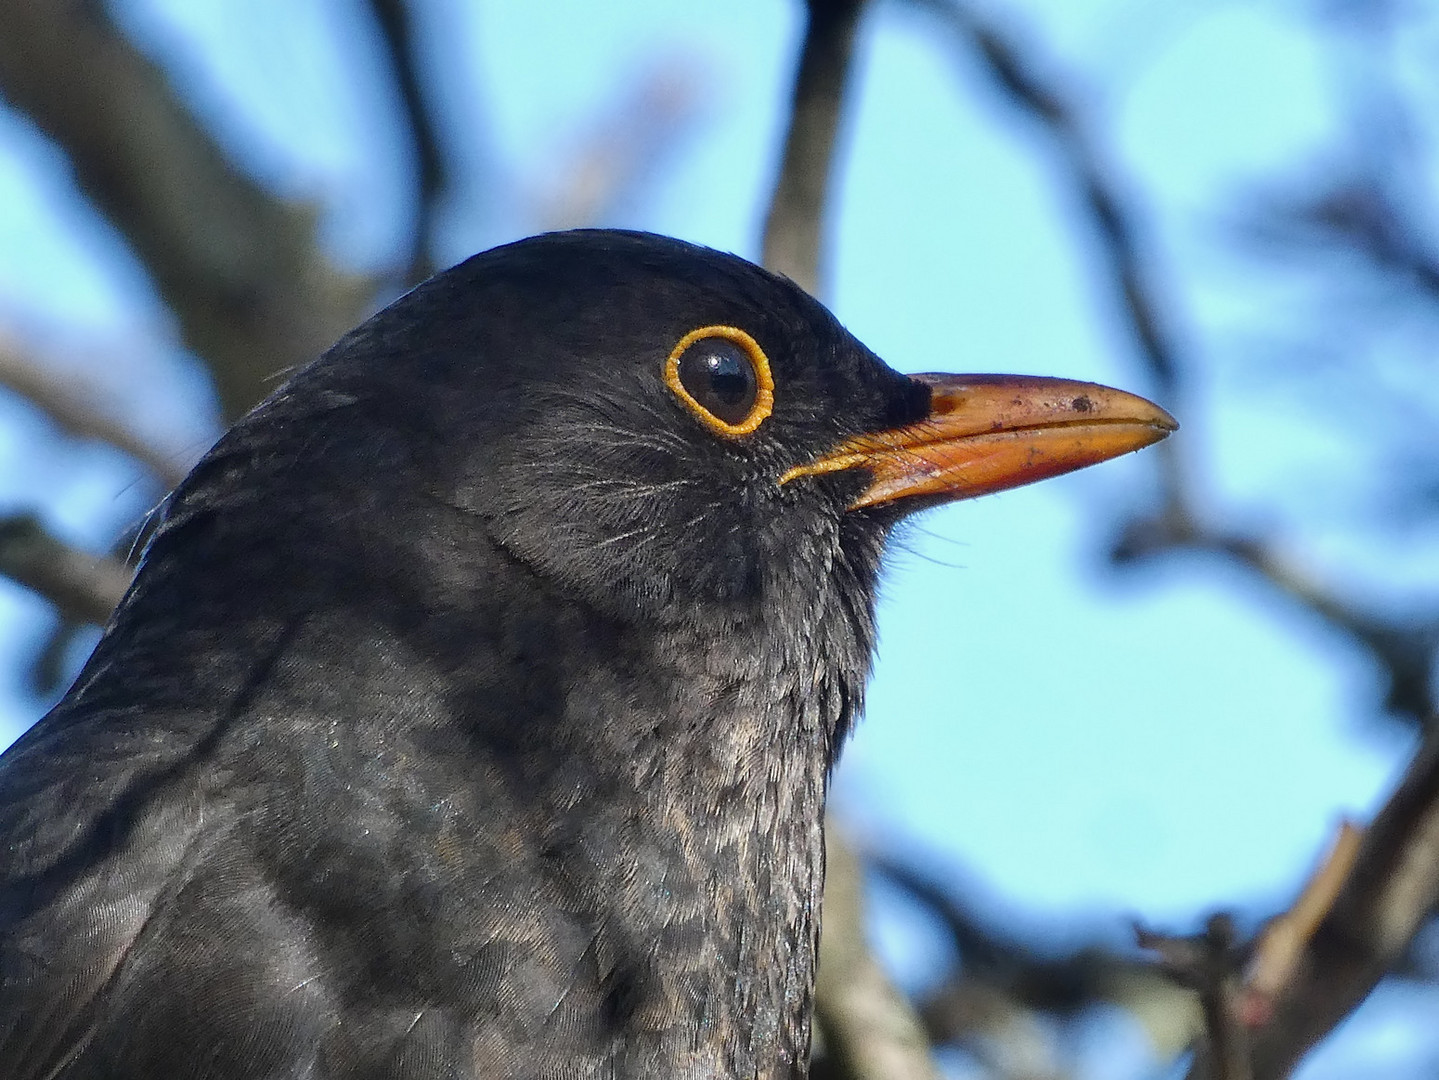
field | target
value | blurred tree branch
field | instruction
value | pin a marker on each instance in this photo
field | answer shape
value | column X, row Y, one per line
column 70, row 406
column 794, row 225
column 238, row 266
column 870, row 1030
column 1062, row 983
column 1017, row 74
column 1391, row 890
column 1356, row 213
column 397, row 32
column 1404, row 650
column 85, row 588
column 1210, row 963
column 1396, row 880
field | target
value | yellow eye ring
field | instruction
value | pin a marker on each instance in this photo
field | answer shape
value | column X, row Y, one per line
column 733, row 379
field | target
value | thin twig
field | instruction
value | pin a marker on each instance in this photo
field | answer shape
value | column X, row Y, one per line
column 1403, row 648
column 66, row 403
column 397, row 32
column 1210, row 963
column 1391, row 889
column 1280, row 945
column 84, row 587
column 870, row 1031
column 1017, row 75
column 792, row 230
column 239, row 267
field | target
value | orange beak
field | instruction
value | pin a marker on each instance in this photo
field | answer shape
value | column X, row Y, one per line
column 990, row 432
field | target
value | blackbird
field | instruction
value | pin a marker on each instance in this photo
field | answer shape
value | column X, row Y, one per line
column 472, row 710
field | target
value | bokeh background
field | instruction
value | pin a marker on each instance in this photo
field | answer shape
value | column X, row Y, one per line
column 1146, row 691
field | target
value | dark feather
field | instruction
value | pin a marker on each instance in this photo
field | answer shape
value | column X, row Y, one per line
column 471, row 713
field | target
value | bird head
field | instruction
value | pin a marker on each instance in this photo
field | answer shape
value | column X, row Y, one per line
column 663, row 429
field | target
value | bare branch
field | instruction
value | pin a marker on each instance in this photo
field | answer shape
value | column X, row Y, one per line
column 1404, row 649
column 1391, row 889
column 1085, row 169
column 70, row 406
column 238, row 266
column 397, row 32
column 50, row 669
column 1368, row 200
column 1354, row 922
column 1062, row 983
column 1355, row 214
column 1210, row 963
column 792, row 231
column 870, row 1031
column 85, row 588
column 1280, row 946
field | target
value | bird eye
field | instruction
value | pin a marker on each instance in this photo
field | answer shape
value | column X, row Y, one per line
column 720, row 377
column 723, row 375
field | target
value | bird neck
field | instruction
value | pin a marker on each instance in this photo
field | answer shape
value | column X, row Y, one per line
column 685, row 795
column 658, row 788
column 678, row 772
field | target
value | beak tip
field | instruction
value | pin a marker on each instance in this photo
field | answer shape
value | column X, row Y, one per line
column 987, row 433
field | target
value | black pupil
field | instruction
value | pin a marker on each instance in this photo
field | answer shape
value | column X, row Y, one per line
column 720, row 376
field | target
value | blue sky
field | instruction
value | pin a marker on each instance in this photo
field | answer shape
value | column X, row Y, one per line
column 1088, row 746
